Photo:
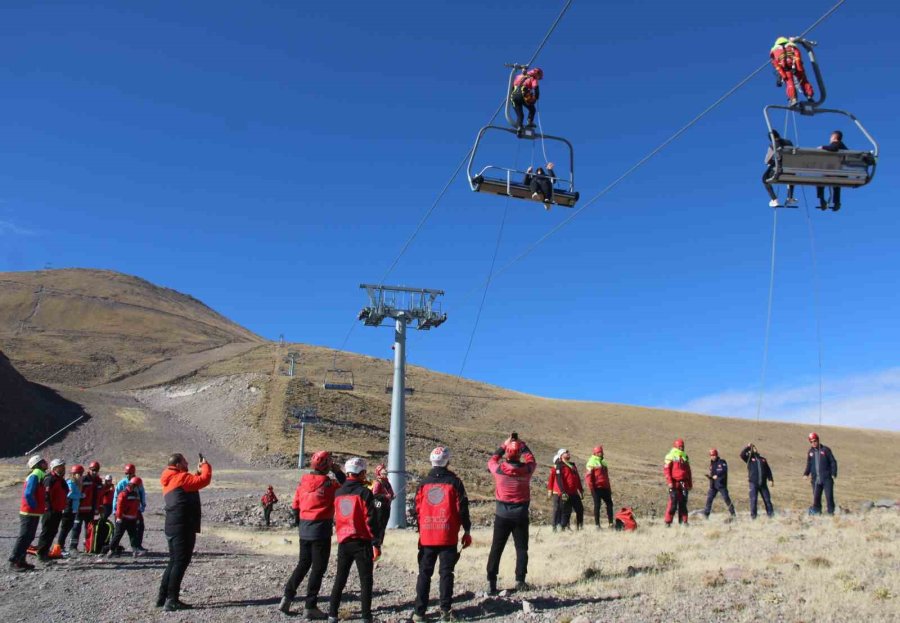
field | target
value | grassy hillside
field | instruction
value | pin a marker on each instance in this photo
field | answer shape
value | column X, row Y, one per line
column 85, row 327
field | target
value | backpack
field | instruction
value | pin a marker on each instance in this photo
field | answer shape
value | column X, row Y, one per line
column 625, row 520
column 524, row 91
column 99, row 534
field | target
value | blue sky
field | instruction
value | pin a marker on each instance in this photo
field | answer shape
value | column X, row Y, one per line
column 269, row 157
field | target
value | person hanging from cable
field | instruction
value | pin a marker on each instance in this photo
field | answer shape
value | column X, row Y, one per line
column 787, row 60
column 836, row 143
column 526, row 91
column 541, row 182
column 771, row 154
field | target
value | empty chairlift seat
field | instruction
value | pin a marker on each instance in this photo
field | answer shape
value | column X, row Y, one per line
column 338, row 379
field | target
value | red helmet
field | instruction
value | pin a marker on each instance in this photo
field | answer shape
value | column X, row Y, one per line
column 136, row 482
column 130, row 469
column 78, row 469
column 270, row 488
column 380, row 470
column 513, row 450
column 536, row 73
column 713, row 452
column 598, row 450
column 320, row 461
column 679, row 443
column 94, row 466
column 813, row 437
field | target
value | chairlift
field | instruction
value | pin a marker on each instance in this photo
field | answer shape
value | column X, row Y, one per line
column 338, row 379
column 389, row 385
column 810, row 166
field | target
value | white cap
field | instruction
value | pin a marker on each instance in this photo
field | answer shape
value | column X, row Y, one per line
column 56, row 463
column 33, row 461
column 355, row 465
column 108, row 477
column 440, row 456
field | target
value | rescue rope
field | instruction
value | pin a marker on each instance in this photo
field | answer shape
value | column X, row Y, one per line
column 765, row 361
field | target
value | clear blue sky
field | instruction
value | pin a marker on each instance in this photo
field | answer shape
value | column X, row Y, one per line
column 269, row 157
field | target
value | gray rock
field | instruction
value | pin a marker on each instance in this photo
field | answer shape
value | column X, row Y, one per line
column 527, row 607
column 886, row 503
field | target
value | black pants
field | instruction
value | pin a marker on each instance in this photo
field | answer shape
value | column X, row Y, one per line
column 81, row 519
column 28, row 525
column 267, row 513
column 181, row 550
column 602, row 496
column 557, row 511
column 573, row 503
column 49, row 527
column 140, row 531
column 105, row 511
column 503, row 527
column 518, row 103
column 384, row 515
column 65, row 527
column 711, row 495
column 313, row 555
column 541, row 185
column 123, row 526
column 835, row 194
column 762, row 490
column 349, row 552
column 772, row 195
column 828, row 488
column 428, row 556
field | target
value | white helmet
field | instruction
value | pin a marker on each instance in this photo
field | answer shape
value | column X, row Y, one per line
column 355, row 465
column 34, row 461
column 440, row 456
column 57, row 463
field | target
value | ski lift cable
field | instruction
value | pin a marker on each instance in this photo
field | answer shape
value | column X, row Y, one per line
column 640, row 163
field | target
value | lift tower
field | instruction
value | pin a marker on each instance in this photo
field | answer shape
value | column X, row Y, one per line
column 403, row 306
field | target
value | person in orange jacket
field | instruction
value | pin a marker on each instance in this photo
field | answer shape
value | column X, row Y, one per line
column 678, row 478
column 269, row 499
column 181, row 492
column 787, row 60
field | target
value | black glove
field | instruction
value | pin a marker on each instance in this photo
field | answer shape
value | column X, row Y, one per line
column 779, row 82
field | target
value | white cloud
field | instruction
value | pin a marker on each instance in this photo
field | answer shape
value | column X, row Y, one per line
column 870, row 400
column 8, row 227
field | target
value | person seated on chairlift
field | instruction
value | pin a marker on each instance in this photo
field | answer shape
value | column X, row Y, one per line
column 525, row 93
column 770, row 168
column 836, row 144
column 541, row 184
column 787, row 60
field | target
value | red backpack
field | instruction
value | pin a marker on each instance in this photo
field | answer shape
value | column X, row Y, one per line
column 625, row 520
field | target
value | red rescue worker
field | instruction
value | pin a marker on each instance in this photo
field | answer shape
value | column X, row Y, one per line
column 525, row 93
column 314, row 499
column 91, row 494
column 128, row 513
column 107, row 495
column 597, row 480
column 57, row 489
column 787, row 60
column 554, row 493
column 569, row 484
column 384, row 494
column 678, row 478
column 269, row 499
column 356, row 527
column 443, row 508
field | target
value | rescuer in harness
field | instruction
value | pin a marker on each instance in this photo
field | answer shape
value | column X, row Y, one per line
column 787, row 60
column 596, row 477
column 678, row 478
column 384, row 494
column 268, row 501
column 526, row 92
column 443, row 508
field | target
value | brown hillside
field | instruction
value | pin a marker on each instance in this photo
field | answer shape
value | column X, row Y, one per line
column 84, row 327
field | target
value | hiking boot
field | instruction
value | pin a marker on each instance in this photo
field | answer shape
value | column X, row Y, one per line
column 160, row 601
column 836, row 207
column 20, row 565
column 138, row 553
column 419, row 618
column 447, row 615
column 774, row 203
column 173, row 605
column 314, row 614
column 792, row 101
column 141, row 549
column 112, row 554
column 285, row 605
column 823, row 205
column 521, row 585
column 791, row 201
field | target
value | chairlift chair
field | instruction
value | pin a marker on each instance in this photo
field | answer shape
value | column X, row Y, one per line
column 389, row 385
column 338, row 379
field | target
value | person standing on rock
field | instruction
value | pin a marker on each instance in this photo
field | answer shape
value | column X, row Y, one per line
column 821, row 469
column 91, row 493
column 131, row 472
column 571, row 490
column 71, row 511
column 32, row 507
column 314, row 498
column 269, row 499
column 718, row 483
column 759, row 473
column 677, row 469
column 356, row 525
column 181, row 492
column 56, row 491
column 384, row 494
column 512, row 465
column 596, row 478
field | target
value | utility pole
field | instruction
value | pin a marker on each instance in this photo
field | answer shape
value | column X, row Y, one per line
column 304, row 415
column 403, row 306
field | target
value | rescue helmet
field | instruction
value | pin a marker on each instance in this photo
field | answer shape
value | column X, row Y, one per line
column 813, row 437
column 108, row 478
column 77, row 469
column 136, row 481
column 380, row 470
column 94, row 466
column 130, row 469
column 57, row 463
column 34, row 461
column 782, row 41
column 355, row 465
column 513, row 450
column 440, row 456
column 713, row 452
column 537, row 73
column 598, row 450
column 679, row 443
column 320, row 461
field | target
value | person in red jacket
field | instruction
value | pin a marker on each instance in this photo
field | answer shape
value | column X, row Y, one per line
column 356, row 525
column 678, row 478
column 571, row 491
column 56, row 490
column 181, row 492
column 269, row 499
column 384, row 494
column 91, row 494
column 443, row 508
column 314, row 499
column 512, row 466
column 597, row 479
column 526, row 92
column 787, row 60
column 31, row 508
column 554, row 493
column 107, row 494
column 128, row 513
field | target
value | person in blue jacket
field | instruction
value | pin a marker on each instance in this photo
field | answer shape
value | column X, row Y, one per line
column 31, row 509
column 718, row 483
column 821, row 469
column 131, row 472
column 71, row 511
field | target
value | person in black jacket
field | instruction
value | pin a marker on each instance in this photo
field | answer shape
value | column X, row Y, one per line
column 836, row 144
column 718, row 483
column 759, row 474
column 541, row 183
column 770, row 168
column 821, row 469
